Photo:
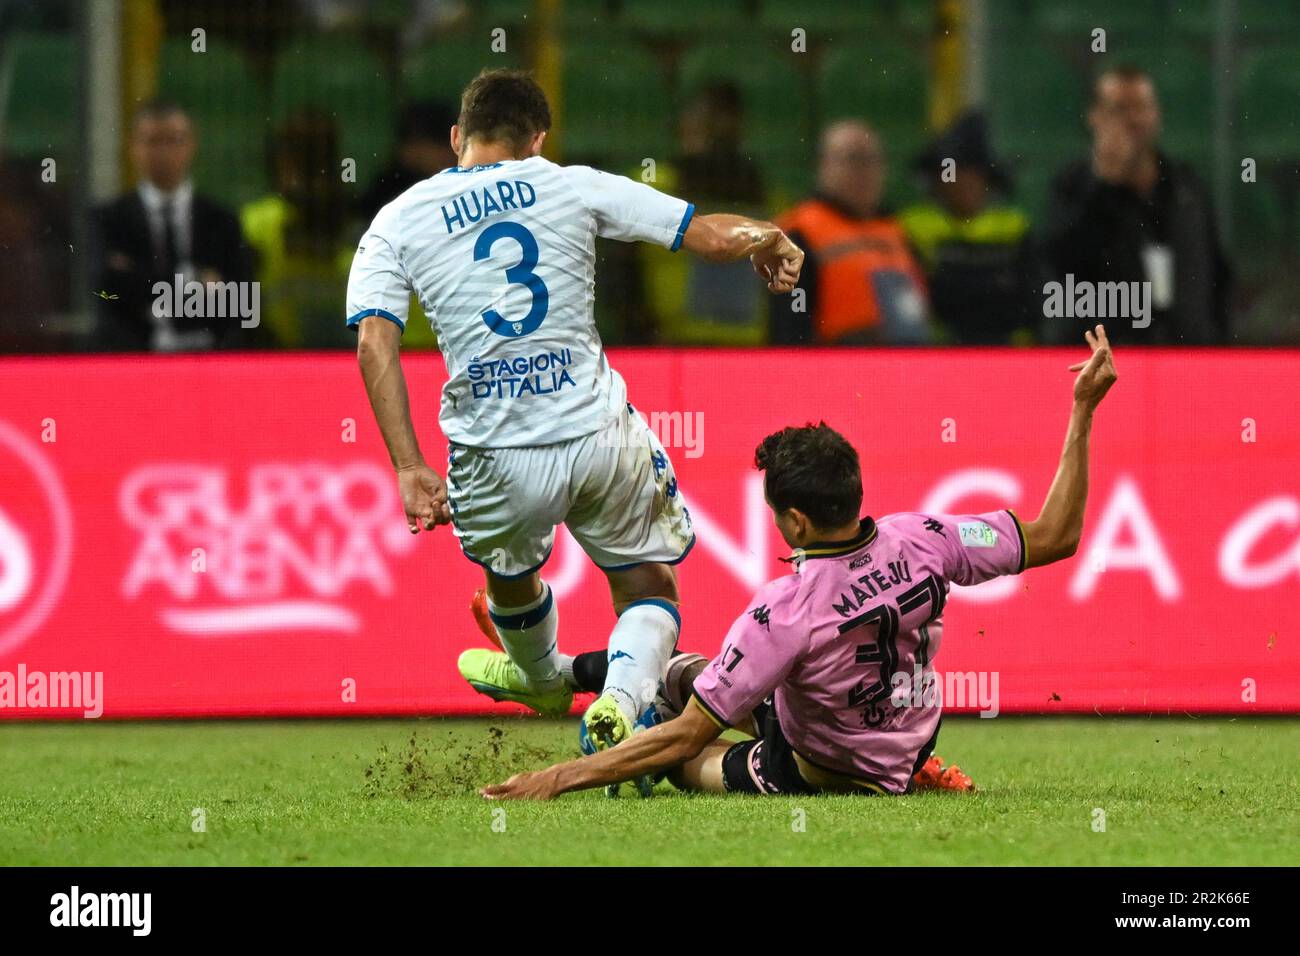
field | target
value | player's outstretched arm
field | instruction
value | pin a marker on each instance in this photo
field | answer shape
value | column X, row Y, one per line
column 1056, row 532
column 669, row 745
column 723, row 237
column 424, row 494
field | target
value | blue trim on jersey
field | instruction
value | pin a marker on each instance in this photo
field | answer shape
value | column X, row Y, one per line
column 657, row 602
column 677, row 560
column 356, row 319
column 469, row 169
column 508, row 577
column 525, row 619
column 681, row 230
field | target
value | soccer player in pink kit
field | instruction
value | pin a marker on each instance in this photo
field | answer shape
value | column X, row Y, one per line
column 809, row 669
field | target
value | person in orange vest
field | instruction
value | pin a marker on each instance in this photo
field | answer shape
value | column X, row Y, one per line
column 860, row 283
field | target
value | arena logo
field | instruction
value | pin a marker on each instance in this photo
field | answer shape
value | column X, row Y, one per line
column 306, row 534
column 35, row 541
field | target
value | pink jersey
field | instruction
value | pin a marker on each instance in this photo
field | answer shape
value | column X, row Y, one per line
column 831, row 641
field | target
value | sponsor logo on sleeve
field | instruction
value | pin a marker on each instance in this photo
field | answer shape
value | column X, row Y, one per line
column 977, row 534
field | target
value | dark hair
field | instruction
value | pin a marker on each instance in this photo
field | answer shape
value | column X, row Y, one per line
column 503, row 106
column 159, row 108
column 813, row 469
column 722, row 95
column 425, row 120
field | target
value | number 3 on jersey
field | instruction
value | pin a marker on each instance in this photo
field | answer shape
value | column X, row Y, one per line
column 520, row 274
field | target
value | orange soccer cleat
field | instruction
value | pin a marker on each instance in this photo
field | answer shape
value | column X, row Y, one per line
column 935, row 776
column 479, row 605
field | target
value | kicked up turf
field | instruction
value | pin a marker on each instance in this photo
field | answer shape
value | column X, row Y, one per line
column 1169, row 791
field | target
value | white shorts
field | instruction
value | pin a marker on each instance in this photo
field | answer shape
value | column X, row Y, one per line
column 615, row 490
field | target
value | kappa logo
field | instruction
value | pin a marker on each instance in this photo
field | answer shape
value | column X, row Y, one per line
column 35, row 540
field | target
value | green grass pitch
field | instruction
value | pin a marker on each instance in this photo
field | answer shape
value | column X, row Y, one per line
column 1174, row 791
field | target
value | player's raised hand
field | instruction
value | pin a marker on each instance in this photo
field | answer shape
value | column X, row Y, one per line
column 424, row 498
column 1097, row 374
column 779, row 264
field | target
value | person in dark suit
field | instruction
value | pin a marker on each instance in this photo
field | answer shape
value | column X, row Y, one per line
column 157, row 231
column 1132, row 213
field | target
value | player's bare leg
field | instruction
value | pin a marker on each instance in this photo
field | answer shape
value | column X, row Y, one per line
column 704, row 772
column 522, row 610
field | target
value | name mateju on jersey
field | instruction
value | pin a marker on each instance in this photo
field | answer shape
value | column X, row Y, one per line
column 542, row 374
column 477, row 204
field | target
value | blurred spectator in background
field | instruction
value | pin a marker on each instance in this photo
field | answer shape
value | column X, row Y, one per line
column 159, row 230
column 301, row 235
column 1131, row 214
column 711, row 161
column 423, row 149
column 35, row 243
column 696, row 302
column 860, row 283
column 985, row 286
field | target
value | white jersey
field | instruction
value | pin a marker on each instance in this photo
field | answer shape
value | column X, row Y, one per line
column 503, row 259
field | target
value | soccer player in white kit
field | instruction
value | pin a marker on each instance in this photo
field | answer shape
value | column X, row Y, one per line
column 501, row 252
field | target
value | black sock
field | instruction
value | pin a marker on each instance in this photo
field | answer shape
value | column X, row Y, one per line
column 589, row 670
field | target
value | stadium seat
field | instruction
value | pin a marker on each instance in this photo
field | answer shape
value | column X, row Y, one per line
column 684, row 17
column 1121, row 19
column 765, row 73
column 916, row 17
column 38, row 94
column 848, row 21
column 217, row 89
column 343, row 80
column 615, row 106
column 1259, row 222
column 574, row 14
column 1268, row 102
column 442, row 70
column 1267, row 19
column 1036, row 101
column 888, row 86
column 1193, row 18
column 507, row 13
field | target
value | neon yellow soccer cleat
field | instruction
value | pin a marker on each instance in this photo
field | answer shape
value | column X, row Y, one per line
column 603, row 726
column 493, row 674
